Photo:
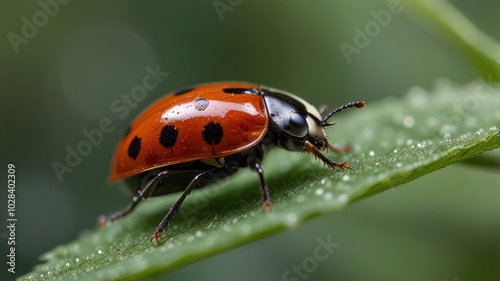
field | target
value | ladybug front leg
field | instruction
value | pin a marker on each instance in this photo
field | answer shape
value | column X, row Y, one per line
column 330, row 163
column 340, row 150
column 144, row 193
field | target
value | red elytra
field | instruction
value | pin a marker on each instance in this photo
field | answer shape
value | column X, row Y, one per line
column 243, row 118
column 202, row 134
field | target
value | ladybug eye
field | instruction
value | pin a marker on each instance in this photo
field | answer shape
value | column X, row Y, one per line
column 298, row 125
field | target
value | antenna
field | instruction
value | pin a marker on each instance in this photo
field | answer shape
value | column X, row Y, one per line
column 357, row 104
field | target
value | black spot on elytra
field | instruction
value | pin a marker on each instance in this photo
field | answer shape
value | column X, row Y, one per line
column 250, row 91
column 134, row 148
column 212, row 133
column 183, row 91
column 168, row 136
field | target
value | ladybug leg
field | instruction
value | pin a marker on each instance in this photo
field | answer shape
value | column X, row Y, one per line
column 266, row 199
column 340, row 150
column 144, row 193
column 322, row 109
column 173, row 210
column 330, row 163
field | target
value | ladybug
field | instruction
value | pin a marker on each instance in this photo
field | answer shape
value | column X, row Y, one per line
column 202, row 134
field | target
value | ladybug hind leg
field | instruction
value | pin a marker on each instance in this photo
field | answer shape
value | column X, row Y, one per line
column 143, row 193
column 215, row 173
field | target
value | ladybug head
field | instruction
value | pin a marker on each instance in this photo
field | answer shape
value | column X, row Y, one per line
column 296, row 124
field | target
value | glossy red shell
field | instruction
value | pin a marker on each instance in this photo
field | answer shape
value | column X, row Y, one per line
column 242, row 117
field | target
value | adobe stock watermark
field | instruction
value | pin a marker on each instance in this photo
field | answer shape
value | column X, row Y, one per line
column 223, row 6
column 363, row 37
column 190, row 212
column 457, row 113
column 121, row 108
column 196, row 208
column 321, row 253
column 30, row 27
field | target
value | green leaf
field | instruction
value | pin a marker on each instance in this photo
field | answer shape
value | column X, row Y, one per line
column 394, row 141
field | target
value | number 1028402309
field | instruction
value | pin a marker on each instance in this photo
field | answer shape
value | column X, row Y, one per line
column 11, row 188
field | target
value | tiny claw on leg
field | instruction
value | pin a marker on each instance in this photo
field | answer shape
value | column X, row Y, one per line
column 341, row 166
column 156, row 235
column 332, row 164
column 268, row 206
column 344, row 166
column 102, row 221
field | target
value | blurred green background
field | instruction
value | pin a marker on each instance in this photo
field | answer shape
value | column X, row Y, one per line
column 87, row 55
